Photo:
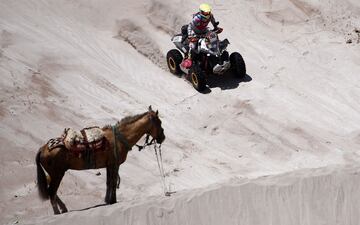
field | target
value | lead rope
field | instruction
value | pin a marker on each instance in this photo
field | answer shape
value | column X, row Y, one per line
column 161, row 168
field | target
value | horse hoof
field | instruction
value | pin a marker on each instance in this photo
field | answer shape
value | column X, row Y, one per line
column 64, row 211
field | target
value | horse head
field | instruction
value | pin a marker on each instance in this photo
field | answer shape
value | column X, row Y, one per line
column 156, row 131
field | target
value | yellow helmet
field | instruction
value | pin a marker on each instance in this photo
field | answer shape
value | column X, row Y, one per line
column 205, row 10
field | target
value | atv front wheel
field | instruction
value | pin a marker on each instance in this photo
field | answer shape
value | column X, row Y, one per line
column 237, row 65
column 197, row 78
column 174, row 58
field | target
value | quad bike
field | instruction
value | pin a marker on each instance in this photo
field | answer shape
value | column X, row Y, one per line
column 210, row 58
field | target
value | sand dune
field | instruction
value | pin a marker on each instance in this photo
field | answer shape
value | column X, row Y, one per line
column 327, row 196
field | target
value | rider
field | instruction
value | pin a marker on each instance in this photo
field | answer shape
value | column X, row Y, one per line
column 198, row 27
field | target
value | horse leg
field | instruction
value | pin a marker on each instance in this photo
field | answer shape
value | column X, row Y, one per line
column 118, row 181
column 61, row 204
column 111, row 183
column 114, row 178
column 54, row 205
column 53, row 187
column 107, row 196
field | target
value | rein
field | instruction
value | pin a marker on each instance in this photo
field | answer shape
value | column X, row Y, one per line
column 159, row 160
column 161, row 168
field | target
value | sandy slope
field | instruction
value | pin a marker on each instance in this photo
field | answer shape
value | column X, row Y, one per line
column 80, row 63
column 312, row 196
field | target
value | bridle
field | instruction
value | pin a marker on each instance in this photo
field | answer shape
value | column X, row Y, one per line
column 157, row 149
column 147, row 142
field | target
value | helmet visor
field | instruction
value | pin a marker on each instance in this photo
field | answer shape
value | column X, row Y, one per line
column 205, row 15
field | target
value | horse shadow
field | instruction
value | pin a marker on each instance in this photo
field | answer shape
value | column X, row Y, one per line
column 87, row 208
column 225, row 81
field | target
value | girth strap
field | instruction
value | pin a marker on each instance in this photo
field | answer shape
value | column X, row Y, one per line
column 119, row 136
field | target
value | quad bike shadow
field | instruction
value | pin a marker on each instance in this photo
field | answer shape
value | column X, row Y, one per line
column 226, row 81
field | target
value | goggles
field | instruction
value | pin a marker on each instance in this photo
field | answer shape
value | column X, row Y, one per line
column 205, row 15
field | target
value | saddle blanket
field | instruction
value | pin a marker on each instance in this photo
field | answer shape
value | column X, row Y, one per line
column 91, row 138
column 54, row 143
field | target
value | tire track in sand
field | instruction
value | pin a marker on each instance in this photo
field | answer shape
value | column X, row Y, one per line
column 165, row 18
column 133, row 34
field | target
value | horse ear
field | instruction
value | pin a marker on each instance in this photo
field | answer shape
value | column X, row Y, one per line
column 157, row 112
column 150, row 109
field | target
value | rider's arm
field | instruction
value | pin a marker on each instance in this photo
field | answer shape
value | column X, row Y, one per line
column 213, row 22
column 190, row 30
column 191, row 37
column 196, row 21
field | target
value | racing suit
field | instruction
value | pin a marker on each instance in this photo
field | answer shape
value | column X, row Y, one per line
column 198, row 27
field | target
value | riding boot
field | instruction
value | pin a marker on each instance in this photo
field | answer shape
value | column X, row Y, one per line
column 187, row 62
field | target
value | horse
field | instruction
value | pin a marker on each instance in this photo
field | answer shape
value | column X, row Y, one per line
column 119, row 139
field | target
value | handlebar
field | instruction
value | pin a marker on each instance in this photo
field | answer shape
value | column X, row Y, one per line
column 217, row 30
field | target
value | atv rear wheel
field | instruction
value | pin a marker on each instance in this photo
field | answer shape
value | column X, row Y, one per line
column 238, row 66
column 174, row 58
column 197, row 78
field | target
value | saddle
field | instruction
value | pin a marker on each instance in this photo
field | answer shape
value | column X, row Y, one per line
column 90, row 138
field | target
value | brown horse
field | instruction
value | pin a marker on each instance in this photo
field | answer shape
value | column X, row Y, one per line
column 119, row 139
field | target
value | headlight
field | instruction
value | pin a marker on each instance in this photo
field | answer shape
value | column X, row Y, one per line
column 213, row 46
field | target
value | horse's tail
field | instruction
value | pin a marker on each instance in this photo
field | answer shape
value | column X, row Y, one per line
column 41, row 179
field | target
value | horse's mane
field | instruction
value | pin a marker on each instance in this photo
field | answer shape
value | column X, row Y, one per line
column 127, row 120
column 130, row 119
